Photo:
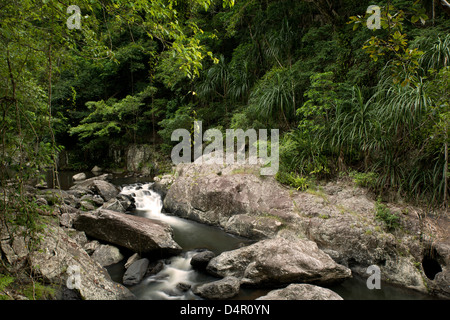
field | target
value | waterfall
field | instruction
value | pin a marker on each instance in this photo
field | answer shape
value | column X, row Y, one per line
column 177, row 274
column 145, row 199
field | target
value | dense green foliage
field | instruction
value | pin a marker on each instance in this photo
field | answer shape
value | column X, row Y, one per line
column 373, row 103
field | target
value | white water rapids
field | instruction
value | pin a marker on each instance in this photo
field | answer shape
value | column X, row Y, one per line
column 177, row 273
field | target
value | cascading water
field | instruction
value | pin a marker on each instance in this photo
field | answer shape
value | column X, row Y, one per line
column 177, row 274
column 146, row 200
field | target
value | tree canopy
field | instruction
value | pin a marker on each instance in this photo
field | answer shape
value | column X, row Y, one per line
column 347, row 98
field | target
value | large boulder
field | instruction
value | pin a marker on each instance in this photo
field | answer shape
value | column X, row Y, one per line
column 97, row 185
column 105, row 189
column 231, row 197
column 302, row 291
column 56, row 254
column 136, row 233
column 278, row 261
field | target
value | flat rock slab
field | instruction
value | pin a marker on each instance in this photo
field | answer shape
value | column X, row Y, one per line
column 279, row 261
column 136, row 233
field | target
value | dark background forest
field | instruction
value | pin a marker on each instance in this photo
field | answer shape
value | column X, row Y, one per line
column 348, row 100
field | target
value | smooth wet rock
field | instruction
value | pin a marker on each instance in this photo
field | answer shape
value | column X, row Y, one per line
column 135, row 272
column 225, row 288
column 278, row 261
column 162, row 184
column 183, row 287
column 136, row 233
column 301, row 292
column 200, row 260
column 154, row 267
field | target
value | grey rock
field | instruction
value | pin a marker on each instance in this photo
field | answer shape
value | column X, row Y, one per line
column 200, row 260
column 96, row 169
column 87, row 205
column 133, row 258
column 154, row 267
column 57, row 196
column 183, row 287
column 41, row 202
column 107, row 255
column 97, row 186
column 91, row 246
column 301, row 292
column 66, row 220
column 114, row 205
column 136, row 233
column 57, row 252
column 14, row 246
column 78, row 236
column 79, row 176
column 278, row 261
column 135, row 272
column 138, row 156
column 105, row 189
column 225, row 288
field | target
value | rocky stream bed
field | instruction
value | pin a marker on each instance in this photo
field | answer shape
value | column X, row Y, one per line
column 288, row 243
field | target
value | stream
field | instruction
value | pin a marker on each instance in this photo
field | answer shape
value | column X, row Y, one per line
column 192, row 237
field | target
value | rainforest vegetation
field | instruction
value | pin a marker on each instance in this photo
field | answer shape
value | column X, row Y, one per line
column 372, row 104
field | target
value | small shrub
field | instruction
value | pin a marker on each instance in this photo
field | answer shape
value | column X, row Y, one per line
column 294, row 180
column 5, row 281
column 39, row 292
column 364, row 179
column 382, row 213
